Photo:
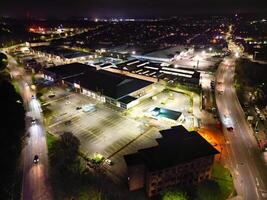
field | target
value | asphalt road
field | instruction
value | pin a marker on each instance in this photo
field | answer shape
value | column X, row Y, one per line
column 35, row 184
column 246, row 161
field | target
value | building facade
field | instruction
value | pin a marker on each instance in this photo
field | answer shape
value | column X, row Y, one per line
column 181, row 158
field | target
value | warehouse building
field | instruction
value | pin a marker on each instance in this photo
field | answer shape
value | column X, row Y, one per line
column 62, row 54
column 102, row 85
column 181, row 158
column 170, row 74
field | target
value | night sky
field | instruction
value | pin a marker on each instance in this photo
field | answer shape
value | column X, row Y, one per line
column 126, row 8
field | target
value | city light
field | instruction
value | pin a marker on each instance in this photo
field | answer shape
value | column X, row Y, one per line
column 151, row 96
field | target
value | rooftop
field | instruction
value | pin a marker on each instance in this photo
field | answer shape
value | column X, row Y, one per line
column 176, row 146
column 107, row 83
column 61, row 52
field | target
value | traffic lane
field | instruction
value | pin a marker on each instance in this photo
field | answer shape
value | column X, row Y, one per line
column 222, row 104
column 222, row 108
column 30, row 186
column 249, row 186
column 250, row 189
column 38, row 173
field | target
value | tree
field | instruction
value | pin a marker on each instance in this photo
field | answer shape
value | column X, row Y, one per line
column 174, row 194
column 3, row 61
column 12, row 132
column 66, row 172
column 65, row 153
column 208, row 190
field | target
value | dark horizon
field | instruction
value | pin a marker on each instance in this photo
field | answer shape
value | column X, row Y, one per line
column 129, row 9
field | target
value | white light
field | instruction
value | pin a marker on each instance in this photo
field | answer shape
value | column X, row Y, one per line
column 237, row 54
column 133, row 52
column 210, row 49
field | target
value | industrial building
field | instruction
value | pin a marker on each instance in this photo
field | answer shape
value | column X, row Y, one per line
column 181, row 158
column 102, row 85
column 62, row 54
column 159, row 72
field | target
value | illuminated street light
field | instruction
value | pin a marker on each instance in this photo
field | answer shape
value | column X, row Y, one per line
column 133, row 52
column 210, row 49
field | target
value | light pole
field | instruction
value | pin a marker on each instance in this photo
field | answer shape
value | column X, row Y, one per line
column 254, row 55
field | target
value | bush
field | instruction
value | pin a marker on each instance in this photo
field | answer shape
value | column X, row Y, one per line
column 174, row 194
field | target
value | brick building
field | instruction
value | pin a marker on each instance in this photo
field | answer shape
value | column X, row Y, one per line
column 180, row 158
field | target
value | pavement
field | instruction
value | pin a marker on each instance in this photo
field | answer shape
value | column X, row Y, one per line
column 35, row 185
column 246, row 161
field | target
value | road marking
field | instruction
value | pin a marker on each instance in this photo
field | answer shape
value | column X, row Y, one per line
column 257, row 182
column 46, row 103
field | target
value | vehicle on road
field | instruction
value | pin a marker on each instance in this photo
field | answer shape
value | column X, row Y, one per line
column 51, row 95
column 109, row 162
column 33, row 121
column 78, row 108
column 68, row 122
column 231, row 129
column 35, row 159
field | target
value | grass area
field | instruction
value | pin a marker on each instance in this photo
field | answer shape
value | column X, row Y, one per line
column 48, row 114
column 185, row 88
column 219, row 187
column 16, row 86
column 50, row 140
column 223, row 178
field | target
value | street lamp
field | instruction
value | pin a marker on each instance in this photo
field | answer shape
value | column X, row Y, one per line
column 254, row 55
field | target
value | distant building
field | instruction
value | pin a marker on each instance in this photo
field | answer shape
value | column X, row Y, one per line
column 180, row 158
column 170, row 74
column 62, row 54
column 116, row 89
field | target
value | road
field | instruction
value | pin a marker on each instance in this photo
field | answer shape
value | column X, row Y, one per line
column 35, row 184
column 246, row 161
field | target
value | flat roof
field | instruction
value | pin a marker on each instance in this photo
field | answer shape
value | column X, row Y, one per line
column 60, row 51
column 106, row 83
column 127, row 99
column 176, row 146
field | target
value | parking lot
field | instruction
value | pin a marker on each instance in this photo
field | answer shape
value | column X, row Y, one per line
column 105, row 130
column 110, row 131
column 166, row 99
